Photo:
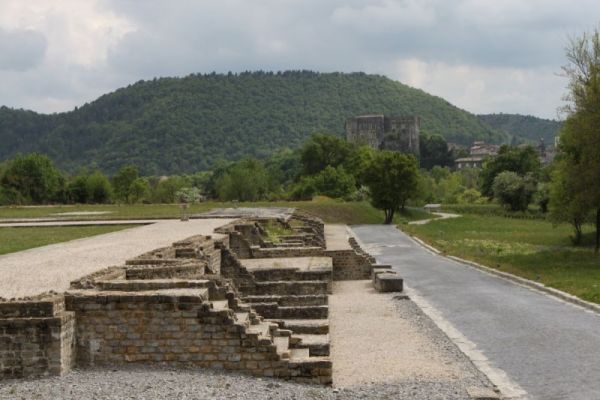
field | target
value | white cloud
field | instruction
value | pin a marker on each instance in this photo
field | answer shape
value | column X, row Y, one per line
column 386, row 16
column 483, row 55
column 485, row 89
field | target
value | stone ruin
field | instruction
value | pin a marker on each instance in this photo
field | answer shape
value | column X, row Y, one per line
column 243, row 302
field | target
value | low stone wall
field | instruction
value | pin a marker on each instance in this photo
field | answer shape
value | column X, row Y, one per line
column 349, row 265
column 178, row 329
column 36, row 338
column 285, row 252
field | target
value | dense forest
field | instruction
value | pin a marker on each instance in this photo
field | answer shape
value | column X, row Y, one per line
column 180, row 125
column 525, row 127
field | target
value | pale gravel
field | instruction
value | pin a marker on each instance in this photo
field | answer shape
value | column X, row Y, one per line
column 53, row 267
column 336, row 237
column 375, row 339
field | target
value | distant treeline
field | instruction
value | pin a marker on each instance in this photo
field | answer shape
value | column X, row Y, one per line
column 181, row 125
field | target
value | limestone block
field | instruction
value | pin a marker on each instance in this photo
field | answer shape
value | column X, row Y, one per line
column 388, row 282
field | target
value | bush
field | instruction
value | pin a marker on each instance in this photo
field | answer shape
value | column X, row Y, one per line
column 471, row 196
column 34, row 177
column 513, row 191
column 99, row 189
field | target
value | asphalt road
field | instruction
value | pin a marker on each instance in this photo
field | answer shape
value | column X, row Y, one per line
column 550, row 348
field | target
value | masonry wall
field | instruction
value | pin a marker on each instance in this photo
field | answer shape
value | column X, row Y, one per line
column 174, row 330
column 36, row 338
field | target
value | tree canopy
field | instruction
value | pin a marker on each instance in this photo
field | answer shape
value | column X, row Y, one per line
column 392, row 179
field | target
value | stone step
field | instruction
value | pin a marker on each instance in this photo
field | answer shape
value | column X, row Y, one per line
column 287, row 301
column 290, row 274
column 290, row 287
column 135, row 285
column 318, row 368
column 164, row 271
column 309, row 326
column 263, row 329
column 283, row 346
column 243, row 318
column 318, row 345
column 299, row 354
column 220, row 304
column 274, row 311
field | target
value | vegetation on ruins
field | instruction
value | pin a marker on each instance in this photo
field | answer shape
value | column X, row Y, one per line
column 181, row 125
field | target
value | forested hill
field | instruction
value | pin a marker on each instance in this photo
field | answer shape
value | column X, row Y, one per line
column 177, row 125
column 525, row 127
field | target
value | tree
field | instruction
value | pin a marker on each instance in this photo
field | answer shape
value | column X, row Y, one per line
column 34, row 177
column 568, row 203
column 357, row 162
column 122, row 182
column 434, row 151
column 392, row 179
column 579, row 159
column 513, row 191
column 77, row 189
column 322, row 150
column 334, row 182
column 99, row 189
column 521, row 160
column 138, row 190
column 246, row 180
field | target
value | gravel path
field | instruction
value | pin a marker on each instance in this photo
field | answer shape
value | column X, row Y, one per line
column 336, row 237
column 145, row 383
column 53, row 267
column 441, row 216
column 378, row 339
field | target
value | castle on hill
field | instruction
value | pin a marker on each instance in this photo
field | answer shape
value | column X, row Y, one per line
column 385, row 133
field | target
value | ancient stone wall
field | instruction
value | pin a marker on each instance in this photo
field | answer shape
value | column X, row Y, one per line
column 36, row 338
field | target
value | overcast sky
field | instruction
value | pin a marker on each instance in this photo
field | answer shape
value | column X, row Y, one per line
column 482, row 55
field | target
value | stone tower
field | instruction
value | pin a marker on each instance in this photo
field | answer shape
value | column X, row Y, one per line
column 385, row 133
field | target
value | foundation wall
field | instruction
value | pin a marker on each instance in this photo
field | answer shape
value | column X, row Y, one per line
column 36, row 339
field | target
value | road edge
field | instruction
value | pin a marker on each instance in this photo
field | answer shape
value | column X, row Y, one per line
column 559, row 294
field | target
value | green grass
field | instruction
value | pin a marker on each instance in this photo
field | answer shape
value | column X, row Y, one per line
column 331, row 211
column 533, row 249
column 23, row 238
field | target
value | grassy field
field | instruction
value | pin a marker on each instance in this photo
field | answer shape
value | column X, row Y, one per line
column 18, row 239
column 327, row 209
column 533, row 249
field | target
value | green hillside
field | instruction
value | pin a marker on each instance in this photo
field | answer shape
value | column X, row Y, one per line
column 526, row 127
column 177, row 125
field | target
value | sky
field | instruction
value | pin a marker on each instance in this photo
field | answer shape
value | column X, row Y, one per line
column 484, row 56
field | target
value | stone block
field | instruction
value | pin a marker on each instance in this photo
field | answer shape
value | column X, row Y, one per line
column 388, row 282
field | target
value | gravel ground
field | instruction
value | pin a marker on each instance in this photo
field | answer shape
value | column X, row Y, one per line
column 146, row 383
column 53, row 267
column 377, row 339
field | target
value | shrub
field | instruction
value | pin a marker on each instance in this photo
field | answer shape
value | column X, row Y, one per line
column 513, row 191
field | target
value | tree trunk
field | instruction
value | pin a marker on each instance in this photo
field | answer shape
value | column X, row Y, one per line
column 577, row 226
column 389, row 216
column 597, row 230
